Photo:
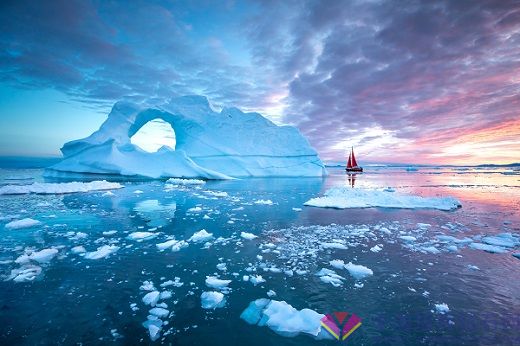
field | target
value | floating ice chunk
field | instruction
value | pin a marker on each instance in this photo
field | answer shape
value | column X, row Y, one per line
column 102, row 252
column 201, row 236
column 108, row 233
column 147, row 286
column 358, row 271
column 376, row 248
column 431, row 249
column 333, row 245
column 472, row 267
column 248, row 236
column 178, row 181
column 331, row 280
column 26, row 273
column 159, row 312
column 151, row 298
column 214, row 282
column 338, row 264
column 342, row 198
column 282, row 318
column 212, row 300
column 263, row 201
column 108, row 194
column 487, row 248
column 503, row 239
column 154, row 326
column 174, row 245
column 44, row 256
column 176, row 283
column 58, row 188
column 408, row 238
column 194, row 210
column 140, row 236
column 297, row 209
column 23, row 223
column 442, row 308
column 222, row 266
column 256, row 279
column 271, row 293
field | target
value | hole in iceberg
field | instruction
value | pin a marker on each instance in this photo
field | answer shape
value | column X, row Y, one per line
column 154, row 135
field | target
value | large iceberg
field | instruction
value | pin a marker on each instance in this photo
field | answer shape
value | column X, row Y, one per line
column 209, row 145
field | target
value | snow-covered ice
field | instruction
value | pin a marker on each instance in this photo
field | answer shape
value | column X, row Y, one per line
column 23, row 223
column 173, row 245
column 248, row 236
column 214, row 282
column 209, row 145
column 151, row 298
column 282, row 318
column 140, row 236
column 44, row 256
column 59, row 188
column 358, row 271
column 346, row 197
column 201, row 236
column 102, row 252
column 212, row 300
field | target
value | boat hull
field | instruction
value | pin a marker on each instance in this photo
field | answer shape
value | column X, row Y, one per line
column 354, row 169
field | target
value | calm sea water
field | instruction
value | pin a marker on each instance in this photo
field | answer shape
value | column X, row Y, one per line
column 80, row 301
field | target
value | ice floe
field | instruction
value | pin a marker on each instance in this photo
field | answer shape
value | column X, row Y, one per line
column 214, row 282
column 26, row 273
column 43, row 256
column 102, row 252
column 358, row 271
column 59, row 188
column 282, row 318
column 212, row 300
column 141, row 236
column 248, row 236
column 23, row 223
column 201, row 236
column 173, row 245
column 151, row 298
column 343, row 197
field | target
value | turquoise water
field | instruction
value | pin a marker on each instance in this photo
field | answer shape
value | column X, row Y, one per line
column 76, row 300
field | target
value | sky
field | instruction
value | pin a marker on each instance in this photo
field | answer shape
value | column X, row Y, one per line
column 432, row 82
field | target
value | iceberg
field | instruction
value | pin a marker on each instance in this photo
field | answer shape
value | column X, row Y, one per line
column 346, row 197
column 209, row 145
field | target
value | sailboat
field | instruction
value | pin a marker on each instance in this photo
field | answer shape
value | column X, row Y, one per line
column 352, row 165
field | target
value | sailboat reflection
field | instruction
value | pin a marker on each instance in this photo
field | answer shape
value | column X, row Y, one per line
column 351, row 179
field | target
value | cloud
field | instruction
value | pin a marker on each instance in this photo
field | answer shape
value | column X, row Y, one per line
column 394, row 81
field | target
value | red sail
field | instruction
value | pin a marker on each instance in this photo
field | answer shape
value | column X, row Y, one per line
column 349, row 163
column 354, row 163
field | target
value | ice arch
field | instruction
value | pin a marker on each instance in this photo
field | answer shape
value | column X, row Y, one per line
column 154, row 135
column 210, row 145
